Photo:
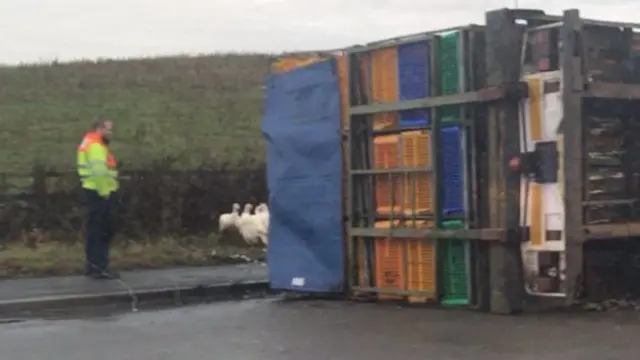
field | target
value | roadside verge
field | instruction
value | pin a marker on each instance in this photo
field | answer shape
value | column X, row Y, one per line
column 137, row 288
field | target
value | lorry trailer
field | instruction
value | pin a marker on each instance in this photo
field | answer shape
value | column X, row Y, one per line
column 490, row 166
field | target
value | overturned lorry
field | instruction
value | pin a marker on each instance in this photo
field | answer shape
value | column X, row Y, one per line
column 490, row 166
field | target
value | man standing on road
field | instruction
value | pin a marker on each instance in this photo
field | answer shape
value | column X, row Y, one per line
column 99, row 177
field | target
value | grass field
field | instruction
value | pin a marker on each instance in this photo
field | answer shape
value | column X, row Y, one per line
column 51, row 258
column 207, row 107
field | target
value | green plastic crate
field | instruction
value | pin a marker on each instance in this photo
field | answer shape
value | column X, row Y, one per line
column 449, row 76
column 449, row 114
column 454, row 268
column 448, row 60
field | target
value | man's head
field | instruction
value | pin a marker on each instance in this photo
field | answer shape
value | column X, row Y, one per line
column 104, row 127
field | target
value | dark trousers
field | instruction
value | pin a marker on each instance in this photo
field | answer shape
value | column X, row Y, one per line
column 99, row 231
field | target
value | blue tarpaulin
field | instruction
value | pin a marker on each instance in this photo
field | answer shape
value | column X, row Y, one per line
column 302, row 129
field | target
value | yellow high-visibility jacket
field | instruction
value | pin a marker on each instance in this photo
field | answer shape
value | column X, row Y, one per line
column 97, row 166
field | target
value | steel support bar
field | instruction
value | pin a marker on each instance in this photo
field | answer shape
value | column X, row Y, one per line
column 545, row 26
column 573, row 87
column 492, row 93
column 613, row 91
column 432, row 234
column 503, row 53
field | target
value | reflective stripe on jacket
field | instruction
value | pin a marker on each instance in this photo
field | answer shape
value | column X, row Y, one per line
column 96, row 165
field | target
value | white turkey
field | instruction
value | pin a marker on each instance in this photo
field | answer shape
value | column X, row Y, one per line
column 229, row 220
column 262, row 216
column 248, row 226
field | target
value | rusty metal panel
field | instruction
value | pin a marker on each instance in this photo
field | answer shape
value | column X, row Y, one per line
column 504, row 38
column 573, row 153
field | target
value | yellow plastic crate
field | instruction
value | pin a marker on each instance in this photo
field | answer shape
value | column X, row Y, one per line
column 421, row 256
column 422, row 191
column 416, row 149
column 422, row 269
column 384, row 85
column 389, row 265
column 416, row 153
column 343, row 82
column 386, row 151
column 384, row 186
column 293, row 62
column 384, row 75
column 387, row 156
column 390, row 272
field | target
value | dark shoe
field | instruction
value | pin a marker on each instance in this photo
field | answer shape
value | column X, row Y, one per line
column 111, row 274
column 104, row 275
column 99, row 276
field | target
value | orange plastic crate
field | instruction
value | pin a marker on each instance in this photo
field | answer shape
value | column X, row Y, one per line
column 360, row 255
column 384, row 75
column 420, row 274
column 421, row 256
column 293, row 62
column 383, row 191
column 389, row 266
column 416, row 149
column 422, row 269
column 343, row 81
column 416, row 153
column 384, row 121
column 422, row 191
column 384, row 84
column 387, row 156
column 386, row 152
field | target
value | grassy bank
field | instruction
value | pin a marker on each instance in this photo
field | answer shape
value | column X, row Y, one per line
column 51, row 258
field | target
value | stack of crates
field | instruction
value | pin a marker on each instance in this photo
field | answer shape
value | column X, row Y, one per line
column 406, row 140
column 402, row 264
column 453, row 255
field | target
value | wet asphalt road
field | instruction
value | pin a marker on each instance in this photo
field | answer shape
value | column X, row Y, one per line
column 269, row 329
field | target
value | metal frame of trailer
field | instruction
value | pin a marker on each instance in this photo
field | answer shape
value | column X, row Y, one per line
column 491, row 91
